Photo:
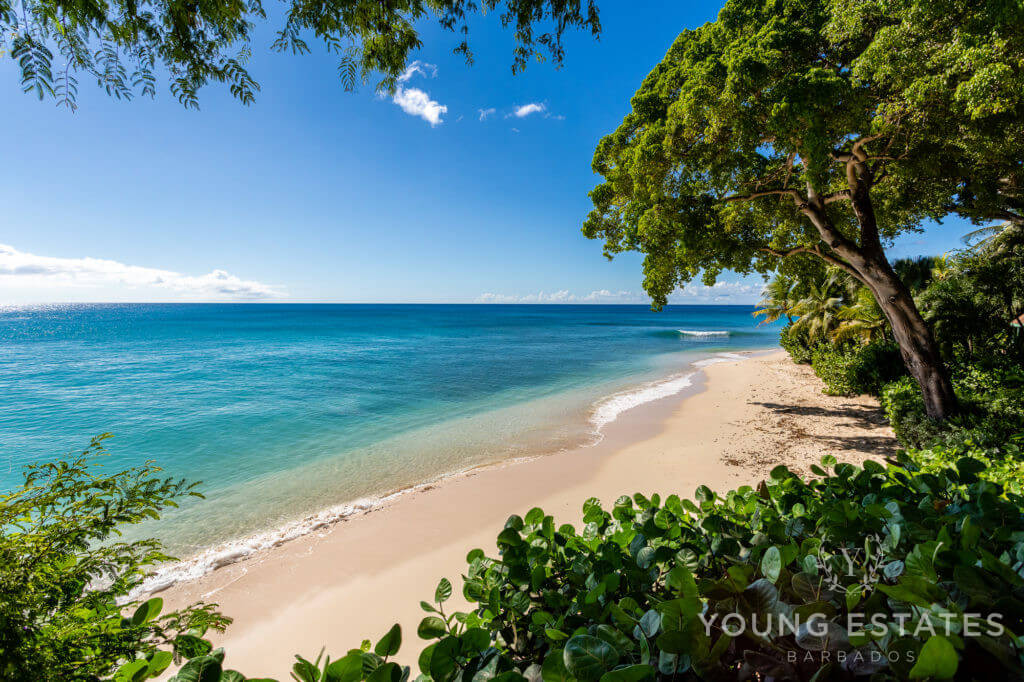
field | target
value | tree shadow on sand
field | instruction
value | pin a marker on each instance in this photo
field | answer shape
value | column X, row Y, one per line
column 847, row 415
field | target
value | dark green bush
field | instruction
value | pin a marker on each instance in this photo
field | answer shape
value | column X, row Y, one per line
column 881, row 573
column 991, row 403
column 858, row 368
column 1003, row 464
column 796, row 344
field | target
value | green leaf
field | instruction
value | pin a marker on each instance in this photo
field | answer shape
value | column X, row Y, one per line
column 771, row 563
column 645, row 557
column 201, row 669
column 390, row 643
column 937, row 659
column 159, row 662
column 147, row 611
column 632, row 673
column 346, row 669
column 588, row 658
column 431, row 627
column 443, row 666
column 443, row 591
column 387, row 672
column 553, row 669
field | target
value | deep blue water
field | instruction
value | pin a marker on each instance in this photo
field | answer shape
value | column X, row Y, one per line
column 282, row 409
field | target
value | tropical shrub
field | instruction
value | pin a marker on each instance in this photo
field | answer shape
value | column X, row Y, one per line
column 971, row 306
column 991, row 402
column 855, row 369
column 1003, row 465
column 881, row 573
column 796, row 344
column 65, row 577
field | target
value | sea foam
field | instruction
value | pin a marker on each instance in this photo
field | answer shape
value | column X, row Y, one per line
column 608, row 410
column 701, row 332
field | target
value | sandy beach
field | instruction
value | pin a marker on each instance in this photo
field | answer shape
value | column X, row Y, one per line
column 354, row 579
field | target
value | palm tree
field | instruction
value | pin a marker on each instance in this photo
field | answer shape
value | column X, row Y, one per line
column 818, row 312
column 777, row 299
column 862, row 319
column 983, row 237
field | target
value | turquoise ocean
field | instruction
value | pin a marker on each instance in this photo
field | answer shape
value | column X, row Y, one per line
column 294, row 415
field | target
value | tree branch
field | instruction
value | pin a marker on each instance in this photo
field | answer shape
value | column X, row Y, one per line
column 767, row 193
column 816, row 251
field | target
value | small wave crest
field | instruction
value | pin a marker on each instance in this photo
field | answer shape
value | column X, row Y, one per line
column 608, row 410
column 701, row 332
column 232, row 552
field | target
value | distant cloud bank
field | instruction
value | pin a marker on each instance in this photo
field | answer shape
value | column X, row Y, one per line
column 31, row 269
column 720, row 292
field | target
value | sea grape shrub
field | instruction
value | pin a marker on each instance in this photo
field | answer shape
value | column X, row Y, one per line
column 65, row 578
column 880, row 572
column 630, row 597
column 854, row 369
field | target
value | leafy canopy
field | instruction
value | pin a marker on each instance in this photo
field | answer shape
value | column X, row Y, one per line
column 750, row 118
column 123, row 44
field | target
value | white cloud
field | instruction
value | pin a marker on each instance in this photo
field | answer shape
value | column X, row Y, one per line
column 24, row 270
column 485, row 113
column 722, row 292
column 524, row 110
column 422, row 68
column 418, row 103
column 563, row 296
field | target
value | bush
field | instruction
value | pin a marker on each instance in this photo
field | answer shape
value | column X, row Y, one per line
column 856, row 369
column 64, row 579
column 991, row 403
column 865, row 573
column 1003, row 465
column 796, row 344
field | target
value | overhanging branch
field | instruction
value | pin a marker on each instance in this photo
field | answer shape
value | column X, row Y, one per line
column 816, row 251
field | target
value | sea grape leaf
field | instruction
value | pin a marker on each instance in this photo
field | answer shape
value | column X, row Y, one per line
column 390, row 642
column 587, row 658
column 937, row 659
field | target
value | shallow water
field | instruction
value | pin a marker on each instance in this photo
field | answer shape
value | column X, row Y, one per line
column 287, row 410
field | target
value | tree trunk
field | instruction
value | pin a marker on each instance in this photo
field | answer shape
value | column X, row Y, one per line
column 917, row 345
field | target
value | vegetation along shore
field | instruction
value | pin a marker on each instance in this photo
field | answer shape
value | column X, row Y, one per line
column 848, row 508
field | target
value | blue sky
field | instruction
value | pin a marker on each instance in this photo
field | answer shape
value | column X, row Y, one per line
column 315, row 194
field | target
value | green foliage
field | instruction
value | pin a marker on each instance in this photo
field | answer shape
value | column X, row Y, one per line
column 798, row 346
column 124, row 44
column 651, row 590
column 749, row 119
column 992, row 402
column 972, row 304
column 1003, row 464
column 860, row 570
column 856, row 369
column 65, row 577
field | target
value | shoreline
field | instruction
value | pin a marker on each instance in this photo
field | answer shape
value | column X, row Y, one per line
column 605, row 415
column 735, row 421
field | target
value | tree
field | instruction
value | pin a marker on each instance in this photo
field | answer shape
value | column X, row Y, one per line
column 777, row 300
column 797, row 127
column 818, row 313
column 123, row 44
column 65, row 578
column 860, row 319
